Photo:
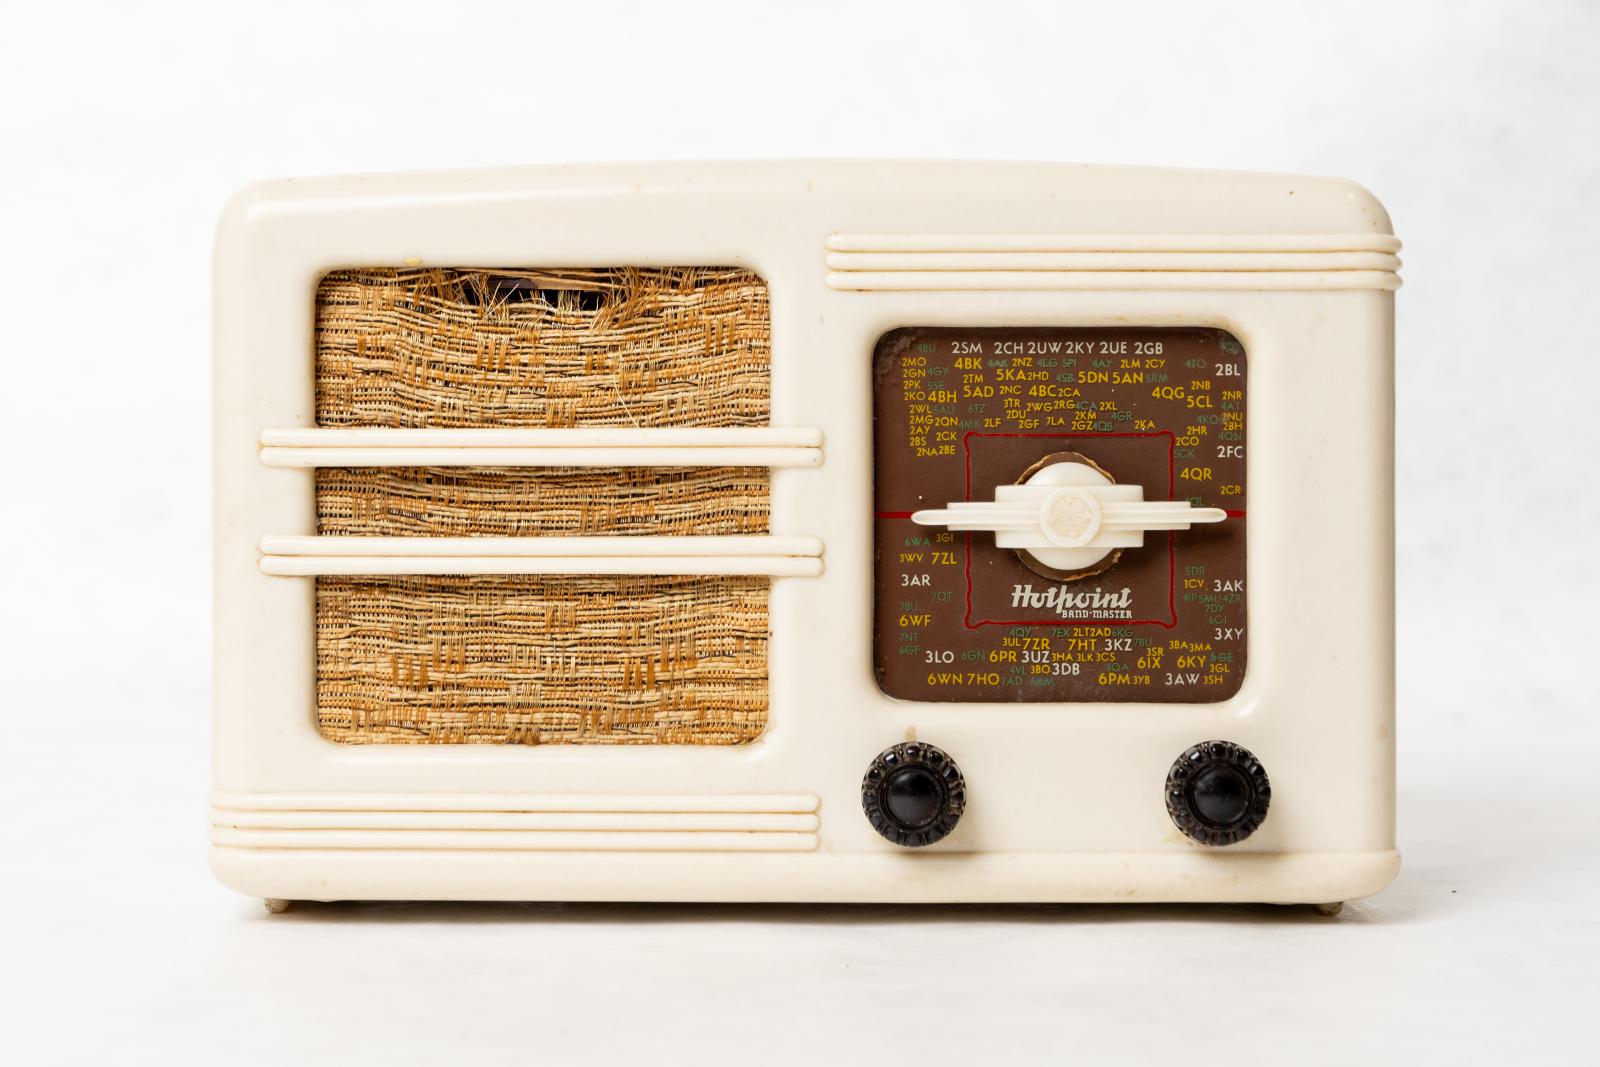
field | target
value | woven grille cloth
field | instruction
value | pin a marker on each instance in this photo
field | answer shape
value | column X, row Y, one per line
column 516, row 659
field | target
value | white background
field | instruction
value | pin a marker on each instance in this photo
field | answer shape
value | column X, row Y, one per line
column 122, row 131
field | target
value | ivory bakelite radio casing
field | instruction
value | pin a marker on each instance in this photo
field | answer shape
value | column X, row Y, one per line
column 805, row 532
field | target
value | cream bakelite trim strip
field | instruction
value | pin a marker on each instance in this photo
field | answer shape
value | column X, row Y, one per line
column 504, row 802
column 499, row 822
column 1114, row 261
column 1112, row 243
column 593, row 436
column 299, row 556
column 597, row 821
column 356, row 566
column 1000, row 280
column 732, row 545
column 1042, row 262
column 577, row 447
column 541, row 457
column 519, row 840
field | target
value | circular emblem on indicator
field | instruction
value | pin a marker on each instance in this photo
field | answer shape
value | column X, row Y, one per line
column 1032, row 562
column 913, row 794
column 1218, row 793
column 1070, row 517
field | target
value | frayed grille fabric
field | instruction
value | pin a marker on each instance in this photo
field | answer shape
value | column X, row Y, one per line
column 540, row 659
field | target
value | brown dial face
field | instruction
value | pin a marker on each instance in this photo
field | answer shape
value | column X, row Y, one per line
column 961, row 411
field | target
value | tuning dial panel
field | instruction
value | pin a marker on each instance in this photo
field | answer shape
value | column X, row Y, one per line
column 1060, row 514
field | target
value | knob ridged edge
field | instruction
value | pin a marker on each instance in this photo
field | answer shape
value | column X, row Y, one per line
column 952, row 799
column 1205, row 756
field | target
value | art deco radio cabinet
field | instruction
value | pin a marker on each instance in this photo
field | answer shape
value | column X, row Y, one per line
column 805, row 531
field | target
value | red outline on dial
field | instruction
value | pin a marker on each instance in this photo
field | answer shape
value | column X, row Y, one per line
column 1172, row 540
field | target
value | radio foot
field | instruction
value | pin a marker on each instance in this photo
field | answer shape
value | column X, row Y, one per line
column 1329, row 909
column 276, row 906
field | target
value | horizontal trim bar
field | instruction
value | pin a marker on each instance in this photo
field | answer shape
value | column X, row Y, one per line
column 1108, row 242
column 572, row 821
column 1114, row 261
column 542, row 457
column 600, row 547
column 577, row 437
column 300, row 556
column 672, row 802
column 516, row 840
column 598, row 446
column 355, row 566
column 1111, row 280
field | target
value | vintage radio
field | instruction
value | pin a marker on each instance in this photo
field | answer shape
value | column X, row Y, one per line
column 805, row 532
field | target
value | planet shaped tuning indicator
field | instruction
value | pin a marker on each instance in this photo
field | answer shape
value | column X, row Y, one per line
column 1068, row 516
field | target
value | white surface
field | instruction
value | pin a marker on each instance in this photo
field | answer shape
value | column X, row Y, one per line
column 124, row 130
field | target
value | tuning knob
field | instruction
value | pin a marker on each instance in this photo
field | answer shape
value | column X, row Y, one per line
column 1217, row 793
column 1068, row 515
column 913, row 794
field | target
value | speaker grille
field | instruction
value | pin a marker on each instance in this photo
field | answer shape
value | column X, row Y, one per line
column 530, row 659
column 538, row 659
column 616, row 347
column 536, row 501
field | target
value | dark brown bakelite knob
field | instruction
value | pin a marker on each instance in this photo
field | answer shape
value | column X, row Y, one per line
column 913, row 794
column 1218, row 793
